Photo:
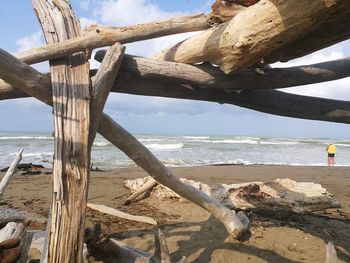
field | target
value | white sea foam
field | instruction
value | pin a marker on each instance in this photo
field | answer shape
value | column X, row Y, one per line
column 246, row 141
column 150, row 140
column 196, row 137
column 279, row 143
column 101, row 144
column 34, row 155
column 26, row 138
column 157, row 146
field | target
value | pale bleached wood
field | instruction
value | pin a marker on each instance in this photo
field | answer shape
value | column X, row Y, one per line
column 11, row 230
column 100, row 36
column 10, row 172
column 147, row 187
column 236, row 225
column 263, row 29
column 71, row 110
column 161, row 251
column 114, row 212
column 273, row 102
column 26, row 242
column 102, row 83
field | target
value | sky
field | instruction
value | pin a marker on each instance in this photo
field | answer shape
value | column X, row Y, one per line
column 138, row 114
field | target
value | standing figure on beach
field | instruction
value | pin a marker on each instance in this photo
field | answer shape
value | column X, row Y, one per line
column 331, row 152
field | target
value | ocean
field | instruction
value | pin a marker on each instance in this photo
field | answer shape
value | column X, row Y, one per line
column 181, row 150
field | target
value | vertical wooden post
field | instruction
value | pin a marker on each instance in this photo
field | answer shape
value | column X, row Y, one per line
column 71, row 104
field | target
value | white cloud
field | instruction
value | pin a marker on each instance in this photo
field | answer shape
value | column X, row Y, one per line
column 28, row 42
column 338, row 89
column 84, row 22
column 129, row 12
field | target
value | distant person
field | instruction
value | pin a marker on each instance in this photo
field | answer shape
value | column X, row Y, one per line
column 331, row 152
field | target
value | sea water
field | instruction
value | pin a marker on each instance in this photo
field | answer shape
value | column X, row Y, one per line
column 186, row 150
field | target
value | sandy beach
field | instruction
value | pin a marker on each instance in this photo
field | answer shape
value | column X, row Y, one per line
column 192, row 232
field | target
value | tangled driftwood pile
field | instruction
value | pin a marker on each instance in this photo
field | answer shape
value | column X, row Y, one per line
column 255, row 34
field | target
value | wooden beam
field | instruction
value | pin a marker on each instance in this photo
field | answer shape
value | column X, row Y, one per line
column 263, row 30
column 71, row 109
column 100, row 36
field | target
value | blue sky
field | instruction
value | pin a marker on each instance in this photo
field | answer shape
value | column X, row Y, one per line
column 158, row 115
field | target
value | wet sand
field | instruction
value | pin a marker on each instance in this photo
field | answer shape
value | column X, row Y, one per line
column 192, row 232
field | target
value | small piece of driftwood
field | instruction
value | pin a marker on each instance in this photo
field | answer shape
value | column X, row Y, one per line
column 115, row 212
column 11, row 230
column 281, row 194
column 10, row 172
column 143, row 190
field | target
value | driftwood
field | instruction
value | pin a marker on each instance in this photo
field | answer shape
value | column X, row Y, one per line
column 104, row 248
column 210, row 77
column 281, row 194
column 99, row 36
column 236, row 225
column 142, row 190
column 273, row 102
column 114, row 212
column 10, row 172
column 264, row 30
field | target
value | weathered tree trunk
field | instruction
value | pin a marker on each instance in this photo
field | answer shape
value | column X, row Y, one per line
column 101, row 36
column 264, row 29
column 273, row 102
column 71, row 105
column 10, row 172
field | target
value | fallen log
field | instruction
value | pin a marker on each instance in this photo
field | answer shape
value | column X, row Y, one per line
column 10, row 172
column 13, row 215
column 265, row 30
column 278, row 195
column 114, row 212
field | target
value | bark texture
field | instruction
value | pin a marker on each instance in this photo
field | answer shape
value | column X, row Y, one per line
column 71, row 105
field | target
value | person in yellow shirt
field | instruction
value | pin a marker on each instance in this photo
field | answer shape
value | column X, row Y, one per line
column 331, row 152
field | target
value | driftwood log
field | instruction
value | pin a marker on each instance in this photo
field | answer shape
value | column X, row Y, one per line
column 265, row 31
column 279, row 195
column 10, row 172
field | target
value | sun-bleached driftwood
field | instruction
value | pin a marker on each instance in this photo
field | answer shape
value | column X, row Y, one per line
column 102, row 83
column 144, row 189
column 110, row 250
column 13, row 215
column 10, row 172
column 262, row 30
column 71, row 112
column 281, row 194
column 235, row 224
column 331, row 253
column 99, row 36
column 273, row 102
column 114, row 212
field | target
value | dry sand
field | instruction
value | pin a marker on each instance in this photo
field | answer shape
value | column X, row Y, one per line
column 192, row 232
